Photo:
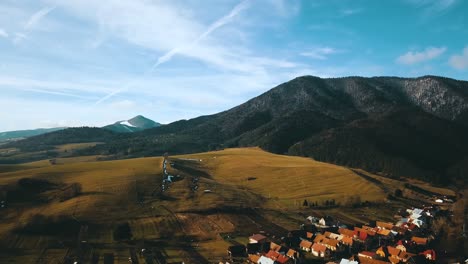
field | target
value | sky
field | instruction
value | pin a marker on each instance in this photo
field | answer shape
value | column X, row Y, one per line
column 91, row 63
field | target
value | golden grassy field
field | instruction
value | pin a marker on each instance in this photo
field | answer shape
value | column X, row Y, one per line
column 287, row 180
column 122, row 191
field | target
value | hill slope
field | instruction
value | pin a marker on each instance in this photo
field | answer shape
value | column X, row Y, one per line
column 400, row 126
column 413, row 127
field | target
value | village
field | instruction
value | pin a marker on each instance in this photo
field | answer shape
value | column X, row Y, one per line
column 409, row 239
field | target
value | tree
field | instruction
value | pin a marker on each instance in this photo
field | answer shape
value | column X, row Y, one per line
column 305, row 203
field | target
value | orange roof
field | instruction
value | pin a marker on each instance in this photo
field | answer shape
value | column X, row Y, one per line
column 347, row 240
column 332, row 242
column 347, row 232
column 384, row 232
column 394, row 260
column 319, row 238
column 309, row 235
column 385, row 225
column 291, row 253
column 419, row 240
column 319, row 248
column 282, row 259
column 275, row 247
column 327, row 234
column 393, row 251
column 369, row 232
column 305, row 244
column 254, row 258
column 272, row 254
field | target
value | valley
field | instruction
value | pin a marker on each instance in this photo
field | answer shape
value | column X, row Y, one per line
column 121, row 213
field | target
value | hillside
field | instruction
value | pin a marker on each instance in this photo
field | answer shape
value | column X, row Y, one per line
column 402, row 127
column 137, row 123
column 21, row 134
column 397, row 126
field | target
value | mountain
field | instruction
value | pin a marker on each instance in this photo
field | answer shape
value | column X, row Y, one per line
column 413, row 127
column 21, row 134
column 397, row 126
column 137, row 123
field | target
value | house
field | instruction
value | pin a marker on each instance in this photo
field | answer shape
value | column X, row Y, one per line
column 347, row 261
column 431, row 255
column 347, row 240
column 275, row 247
column 419, row 240
column 257, row 238
column 384, row 225
column 283, row 260
column 322, row 222
column 320, row 239
column 388, row 251
column 272, row 255
column 384, row 232
column 366, row 254
column 332, row 244
column 253, row 258
column 265, row 260
column 347, row 232
column 319, row 250
column 405, row 256
column 400, row 246
column 305, row 245
column 292, row 254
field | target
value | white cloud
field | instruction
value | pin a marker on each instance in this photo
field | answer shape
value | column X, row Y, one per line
column 460, row 62
column 320, row 53
column 35, row 18
column 413, row 57
column 219, row 23
column 351, row 11
column 3, row 33
column 434, row 7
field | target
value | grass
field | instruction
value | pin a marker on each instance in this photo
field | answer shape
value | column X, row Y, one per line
column 286, row 180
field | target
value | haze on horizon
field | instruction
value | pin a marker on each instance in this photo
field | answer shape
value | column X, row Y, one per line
column 85, row 62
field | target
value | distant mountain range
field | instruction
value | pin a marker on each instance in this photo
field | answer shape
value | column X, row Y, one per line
column 21, row 134
column 396, row 126
column 137, row 123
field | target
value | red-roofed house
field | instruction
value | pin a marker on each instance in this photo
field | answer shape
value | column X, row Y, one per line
column 257, row 238
column 319, row 250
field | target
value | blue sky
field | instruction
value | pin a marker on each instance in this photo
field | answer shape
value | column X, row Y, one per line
column 87, row 62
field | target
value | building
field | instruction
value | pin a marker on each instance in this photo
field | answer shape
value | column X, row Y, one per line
column 257, row 238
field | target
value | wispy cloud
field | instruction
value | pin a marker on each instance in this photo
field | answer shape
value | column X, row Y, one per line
column 219, row 23
column 320, row 53
column 3, row 33
column 413, row 57
column 351, row 11
column 460, row 61
column 31, row 23
column 434, row 7
column 35, row 18
column 186, row 47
